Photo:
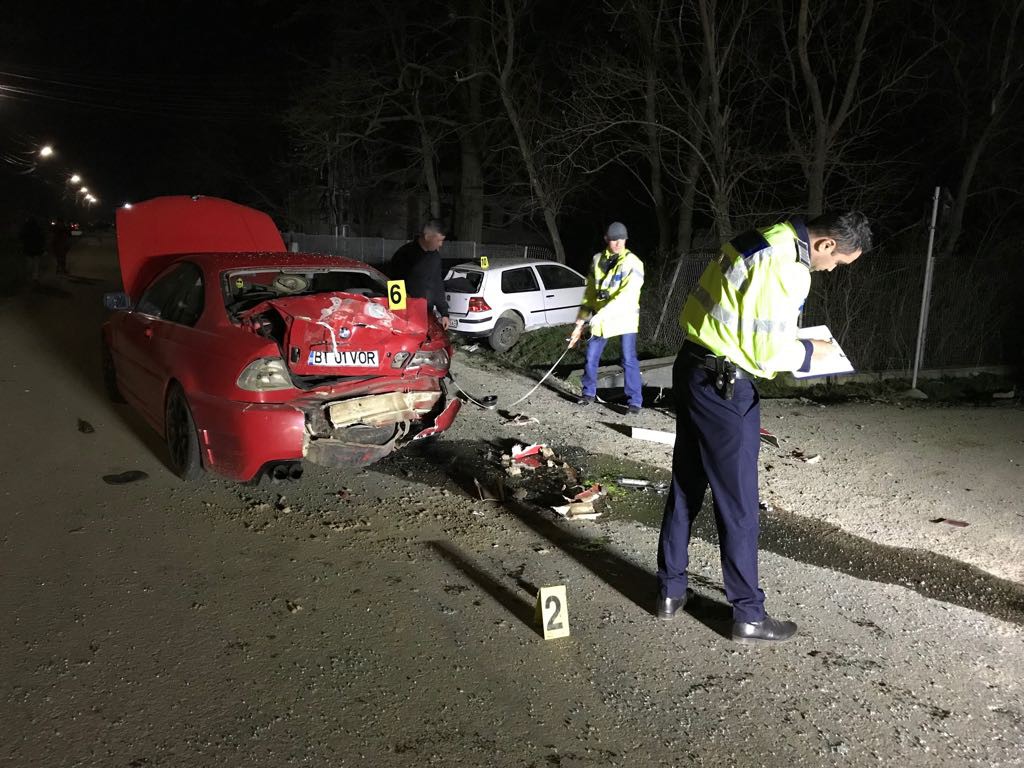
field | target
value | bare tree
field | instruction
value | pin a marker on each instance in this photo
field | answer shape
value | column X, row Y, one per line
column 988, row 80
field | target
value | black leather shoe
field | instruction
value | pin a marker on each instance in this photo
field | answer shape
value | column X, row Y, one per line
column 768, row 630
column 633, row 410
column 668, row 606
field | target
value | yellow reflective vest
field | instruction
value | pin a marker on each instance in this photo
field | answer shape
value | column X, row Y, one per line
column 748, row 301
column 612, row 298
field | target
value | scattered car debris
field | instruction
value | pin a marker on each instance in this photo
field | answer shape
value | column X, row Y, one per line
column 595, row 491
column 764, row 506
column 578, row 510
column 581, row 506
column 532, row 456
column 769, row 438
column 522, row 418
column 486, row 494
column 471, row 348
column 131, row 476
column 85, row 427
column 1004, row 395
column 807, row 458
column 659, row 486
column 948, row 521
column 653, row 435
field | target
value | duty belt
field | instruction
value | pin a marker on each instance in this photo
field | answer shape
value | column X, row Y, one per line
column 724, row 370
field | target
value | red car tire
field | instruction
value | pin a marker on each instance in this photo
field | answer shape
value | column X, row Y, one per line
column 182, row 437
column 110, row 376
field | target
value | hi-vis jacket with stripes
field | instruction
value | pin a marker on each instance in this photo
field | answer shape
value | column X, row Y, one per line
column 748, row 301
column 619, row 279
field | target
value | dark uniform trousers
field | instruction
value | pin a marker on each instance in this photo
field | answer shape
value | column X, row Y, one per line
column 717, row 443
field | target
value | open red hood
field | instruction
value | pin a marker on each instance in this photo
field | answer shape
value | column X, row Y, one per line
column 149, row 233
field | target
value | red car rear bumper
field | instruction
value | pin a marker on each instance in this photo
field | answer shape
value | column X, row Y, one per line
column 239, row 440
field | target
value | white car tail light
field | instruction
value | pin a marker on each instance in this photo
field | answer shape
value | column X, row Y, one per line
column 265, row 375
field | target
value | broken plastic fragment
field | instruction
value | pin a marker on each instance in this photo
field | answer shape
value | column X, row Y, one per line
column 577, row 510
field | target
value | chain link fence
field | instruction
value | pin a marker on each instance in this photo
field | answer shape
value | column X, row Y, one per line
column 872, row 307
column 377, row 251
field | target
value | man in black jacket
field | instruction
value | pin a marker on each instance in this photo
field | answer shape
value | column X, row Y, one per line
column 418, row 262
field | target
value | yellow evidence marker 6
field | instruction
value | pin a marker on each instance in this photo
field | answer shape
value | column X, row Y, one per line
column 484, row 263
column 553, row 611
column 396, row 294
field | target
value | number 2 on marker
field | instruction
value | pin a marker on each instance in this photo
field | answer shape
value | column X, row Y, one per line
column 554, row 610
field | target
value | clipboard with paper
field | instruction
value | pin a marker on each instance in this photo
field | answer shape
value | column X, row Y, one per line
column 835, row 364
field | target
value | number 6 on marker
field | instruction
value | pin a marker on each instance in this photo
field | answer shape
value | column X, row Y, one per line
column 553, row 611
column 396, row 294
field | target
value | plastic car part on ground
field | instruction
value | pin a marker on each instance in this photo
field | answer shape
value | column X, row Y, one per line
column 581, row 506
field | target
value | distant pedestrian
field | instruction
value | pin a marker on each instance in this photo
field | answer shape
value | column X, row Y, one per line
column 611, row 306
column 33, row 246
column 60, row 244
column 418, row 263
column 741, row 323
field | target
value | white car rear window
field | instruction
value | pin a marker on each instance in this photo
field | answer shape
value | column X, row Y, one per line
column 464, row 281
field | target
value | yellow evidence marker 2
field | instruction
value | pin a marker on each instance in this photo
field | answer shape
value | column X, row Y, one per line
column 396, row 294
column 553, row 612
column 484, row 263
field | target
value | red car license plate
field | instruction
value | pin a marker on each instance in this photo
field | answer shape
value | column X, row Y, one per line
column 345, row 358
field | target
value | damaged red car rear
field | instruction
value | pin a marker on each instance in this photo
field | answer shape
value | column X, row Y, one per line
column 249, row 359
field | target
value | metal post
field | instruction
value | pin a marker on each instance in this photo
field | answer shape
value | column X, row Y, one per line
column 671, row 287
column 926, row 293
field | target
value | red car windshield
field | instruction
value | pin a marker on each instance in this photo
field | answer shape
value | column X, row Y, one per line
column 245, row 288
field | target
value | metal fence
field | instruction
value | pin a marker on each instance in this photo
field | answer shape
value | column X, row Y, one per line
column 377, row 251
column 873, row 307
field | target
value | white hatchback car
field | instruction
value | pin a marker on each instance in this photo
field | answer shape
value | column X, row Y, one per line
column 511, row 296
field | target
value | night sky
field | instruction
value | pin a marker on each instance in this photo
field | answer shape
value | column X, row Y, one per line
column 139, row 97
column 146, row 99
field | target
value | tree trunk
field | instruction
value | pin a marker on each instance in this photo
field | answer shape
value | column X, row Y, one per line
column 469, row 222
column 427, row 160
column 525, row 150
column 654, row 160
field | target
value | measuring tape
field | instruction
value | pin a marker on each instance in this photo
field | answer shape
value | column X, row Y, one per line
column 491, row 401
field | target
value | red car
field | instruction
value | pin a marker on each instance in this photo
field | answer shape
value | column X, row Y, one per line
column 249, row 359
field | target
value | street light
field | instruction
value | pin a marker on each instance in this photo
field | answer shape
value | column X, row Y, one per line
column 46, row 151
column 75, row 178
column 84, row 190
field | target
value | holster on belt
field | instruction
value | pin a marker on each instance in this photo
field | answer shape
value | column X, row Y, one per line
column 725, row 375
column 721, row 368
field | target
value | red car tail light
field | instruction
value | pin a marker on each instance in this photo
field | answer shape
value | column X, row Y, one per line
column 477, row 304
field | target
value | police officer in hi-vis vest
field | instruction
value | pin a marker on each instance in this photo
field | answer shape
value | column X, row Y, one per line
column 611, row 305
column 740, row 324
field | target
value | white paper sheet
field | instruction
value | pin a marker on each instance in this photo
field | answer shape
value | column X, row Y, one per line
column 838, row 363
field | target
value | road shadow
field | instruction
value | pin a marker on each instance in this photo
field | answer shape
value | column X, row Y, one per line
column 505, row 597
column 66, row 323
